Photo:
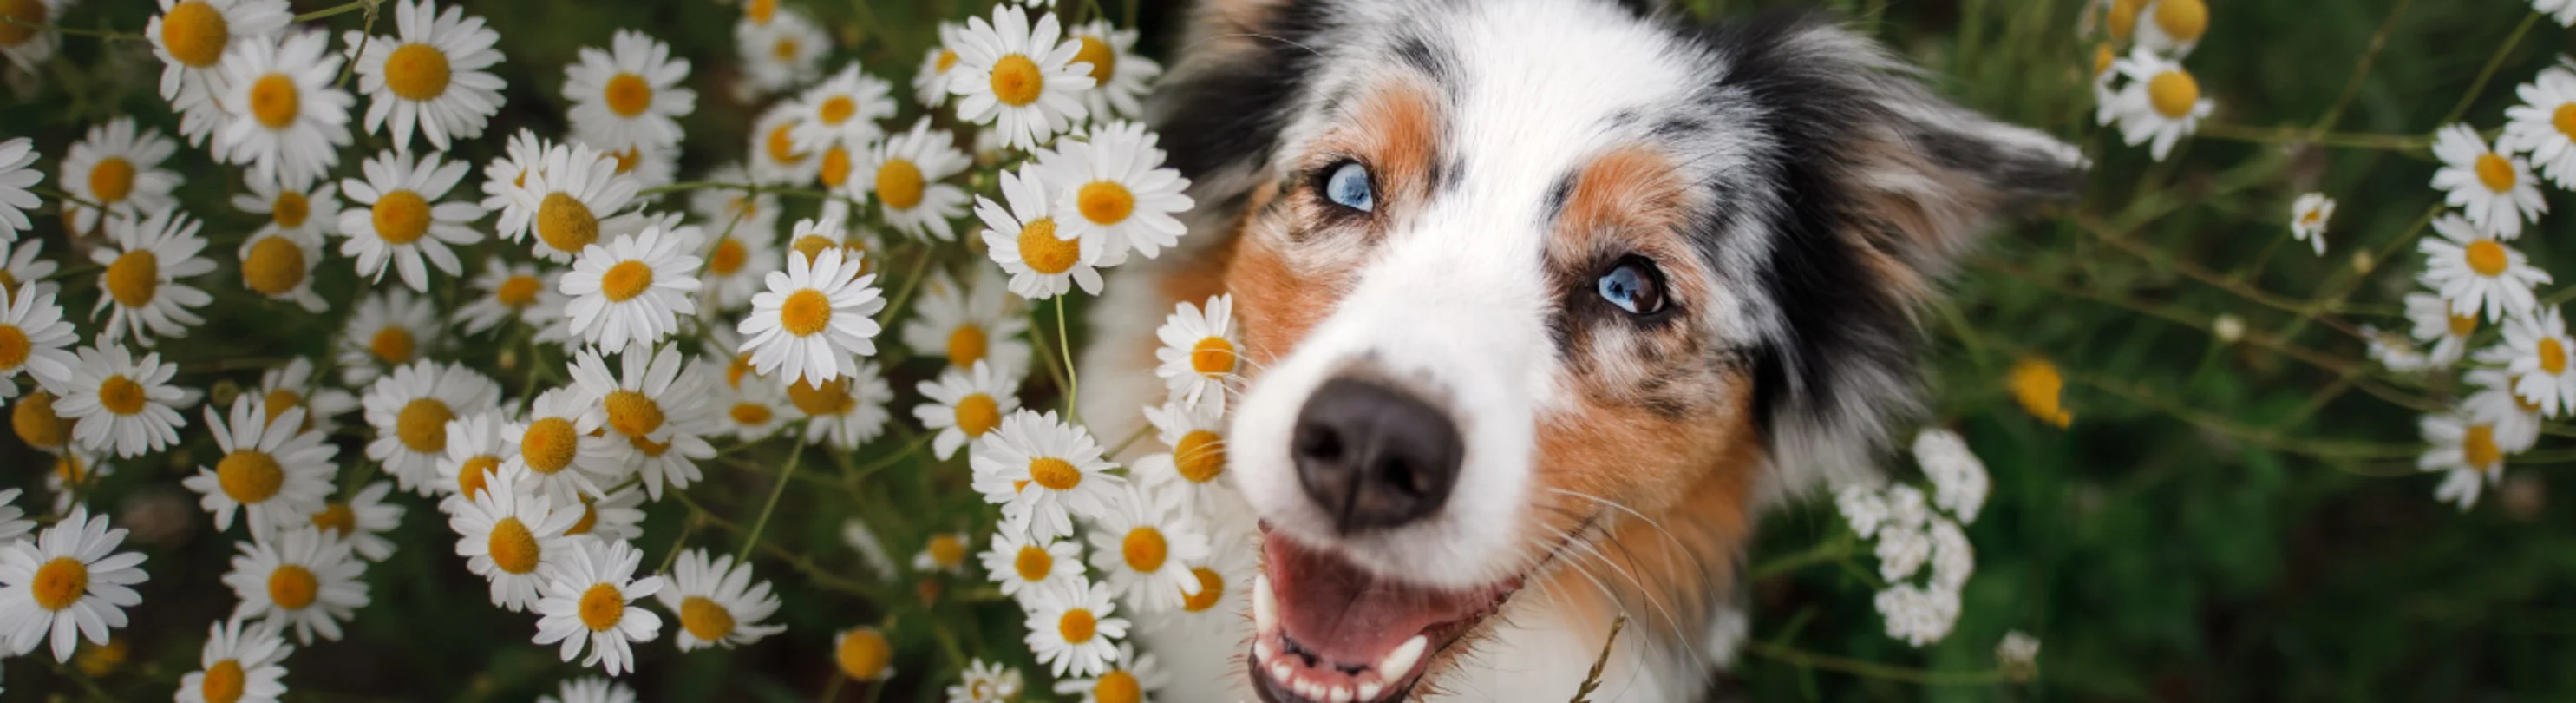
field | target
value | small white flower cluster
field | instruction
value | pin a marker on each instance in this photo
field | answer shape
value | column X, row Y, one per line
column 1912, row 531
column 2148, row 94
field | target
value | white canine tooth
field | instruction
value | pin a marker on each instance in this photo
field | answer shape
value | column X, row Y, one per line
column 1369, row 691
column 1260, row 650
column 1265, row 605
column 1339, row 694
column 1400, row 662
column 1279, row 671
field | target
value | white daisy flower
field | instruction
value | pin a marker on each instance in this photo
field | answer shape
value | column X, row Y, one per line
column 362, row 521
column 652, row 166
column 630, row 293
column 753, row 411
column 503, row 292
column 1031, row 569
column 1199, row 351
column 18, row 179
column 2308, row 218
column 930, row 82
column 815, row 320
column 2172, row 27
column 740, row 258
column 34, row 340
column 846, row 412
column 2564, row 11
column 784, row 53
column 1018, row 77
column 2161, row 103
column 273, row 472
column 507, row 533
column 121, row 402
column 1119, row 75
column 775, row 160
column 476, row 444
column 718, row 603
column 1131, row 678
column 23, row 263
column 548, row 314
column 591, row 690
column 298, row 577
column 277, row 261
column 27, row 45
column 2466, row 453
column 906, row 172
column 1073, row 630
column 13, row 522
column 139, row 287
column 287, row 121
column 2477, row 272
column 2536, row 351
column 747, row 215
column 863, row 654
column 589, row 599
column 388, row 330
column 2494, row 189
column 616, row 515
column 503, row 176
column 872, row 551
column 430, row 74
column 409, row 410
column 1145, row 544
column 987, row 682
column 570, row 189
column 242, row 662
column 403, row 221
column 1221, row 591
column 2434, row 323
column 2544, row 125
column 1114, row 194
column 1024, row 239
column 942, row 553
column 963, row 405
column 562, row 447
column 1195, row 432
column 191, row 37
column 970, row 324
column 629, row 95
column 1043, row 471
column 657, row 411
column 68, row 583
column 811, row 237
column 293, row 387
column 842, row 111
column 118, row 167
column 2516, row 421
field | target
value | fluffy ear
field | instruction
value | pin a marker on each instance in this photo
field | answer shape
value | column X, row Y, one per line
column 1242, row 66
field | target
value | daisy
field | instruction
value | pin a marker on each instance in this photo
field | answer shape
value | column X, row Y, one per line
column 25, row 44
column 1032, row 569
column 847, row 411
column 753, row 411
column 2434, row 322
column 431, row 74
column 562, row 447
column 618, row 515
column 1196, row 434
column 1118, row 74
column 567, row 192
column 139, row 286
column 930, row 82
column 298, row 577
column 905, row 173
column 22, row 264
column 863, row 654
column 2535, row 125
column 409, row 410
column 277, row 261
column 74, row 468
column 1145, row 544
column 739, row 212
column 742, row 256
column 243, row 662
column 944, row 552
column 475, row 447
column 2394, row 351
column 1199, row 350
column 630, row 94
column 287, row 121
column 404, row 220
column 2494, row 189
column 191, row 37
column 121, row 402
column 657, row 411
column 362, row 521
column 1023, row 239
column 13, row 522
column 387, row 331
column 842, row 111
column 33, row 339
column 503, row 292
column 68, row 583
column 2172, row 27
column 810, row 237
column 1220, row 584
column 506, row 533
column 1018, row 76
column 117, row 166
column 18, row 178
column 589, row 599
column 784, row 53
column 504, row 175
column 2308, row 219
column 1129, row 679
column 717, row 602
column 591, row 690
column 2161, row 103
column 2476, row 272
column 2536, row 351
column 2564, row 11
column 272, row 472
column 2493, row 403
column 969, row 324
column 1043, row 471
column 548, row 314
column 1073, row 630
column 629, row 293
column 292, row 386
column 986, row 682
column 2465, row 452
column 963, row 405
column 1114, row 195
column 814, row 322
column 774, row 157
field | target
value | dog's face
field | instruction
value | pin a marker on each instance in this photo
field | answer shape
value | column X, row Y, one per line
column 1518, row 275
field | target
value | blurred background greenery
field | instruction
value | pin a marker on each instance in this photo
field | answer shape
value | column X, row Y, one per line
column 2223, row 520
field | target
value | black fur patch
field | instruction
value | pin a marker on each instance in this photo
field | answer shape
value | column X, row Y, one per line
column 1231, row 114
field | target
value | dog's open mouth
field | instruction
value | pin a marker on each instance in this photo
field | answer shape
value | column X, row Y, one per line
column 1328, row 631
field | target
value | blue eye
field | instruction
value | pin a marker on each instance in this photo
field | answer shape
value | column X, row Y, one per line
column 1634, row 285
column 1348, row 185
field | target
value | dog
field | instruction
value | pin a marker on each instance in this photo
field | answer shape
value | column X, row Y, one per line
column 1541, row 303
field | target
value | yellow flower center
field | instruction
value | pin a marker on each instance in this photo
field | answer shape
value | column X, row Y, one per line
column 1043, row 252
column 475, row 473
column 966, row 345
column 625, row 280
column 602, row 606
column 275, row 101
column 416, row 72
column 627, row 160
column 1211, row 590
column 830, row 398
column 785, row 49
column 2495, row 172
column 728, row 257
column 2173, row 94
column 2486, row 257
column 422, row 425
column 812, row 245
column 1145, row 549
column 589, row 518
column 837, row 110
column 401, row 217
column 121, row 395
column 2124, row 18
column 704, row 619
column 274, row 267
column 2103, row 57
column 223, row 682
column 34, row 420
column 2564, row 118
column 15, row 348
column 513, row 547
column 738, row 368
column 1105, row 203
column 30, row 15
column 59, row 583
column 633, row 414
column 249, row 476
column 978, row 414
column 760, row 10
column 2478, row 448
column 947, row 551
column 1016, row 81
column 194, row 32
column 392, row 345
column 517, row 291
column 750, row 414
column 133, row 278
column 1213, row 356
column 2184, row 20
column 1077, row 625
column 899, row 184
column 2035, row 383
column 565, row 223
column 1200, row 456
column 1053, row 473
column 1117, row 686
column 548, row 445
column 627, row 94
column 68, row 468
column 836, row 166
column 1033, row 563
column 805, row 312
column 337, row 518
column 863, row 654
column 947, row 60
column 2462, row 325
column 1104, row 62
column 781, row 146
column 112, row 179
column 2553, row 356
column 292, row 587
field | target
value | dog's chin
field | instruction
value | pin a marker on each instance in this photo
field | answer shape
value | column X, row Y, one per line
column 1331, row 631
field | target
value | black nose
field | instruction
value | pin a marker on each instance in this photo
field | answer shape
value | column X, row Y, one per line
column 1373, row 456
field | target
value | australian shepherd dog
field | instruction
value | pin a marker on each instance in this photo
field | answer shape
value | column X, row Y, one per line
column 1542, row 302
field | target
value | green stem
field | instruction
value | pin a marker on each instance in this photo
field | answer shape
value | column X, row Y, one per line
column 1072, row 382
column 752, row 539
column 344, row 8
column 94, row 33
column 1871, row 670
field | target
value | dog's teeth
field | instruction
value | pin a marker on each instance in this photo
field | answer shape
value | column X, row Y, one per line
column 1260, row 650
column 1310, row 689
column 1400, row 662
column 1369, row 690
column 1265, row 605
column 1339, row 694
column 1279, row 671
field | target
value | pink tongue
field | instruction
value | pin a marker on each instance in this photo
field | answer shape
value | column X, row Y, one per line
column 1346, row 615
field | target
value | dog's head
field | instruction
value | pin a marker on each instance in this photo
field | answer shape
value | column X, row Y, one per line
column 1516, row 275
